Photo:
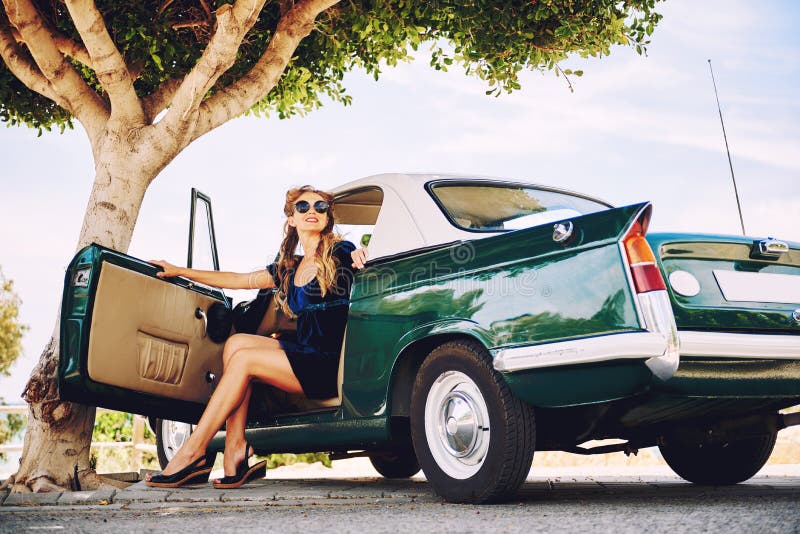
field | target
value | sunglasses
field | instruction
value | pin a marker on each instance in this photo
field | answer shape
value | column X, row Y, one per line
column 320, row 206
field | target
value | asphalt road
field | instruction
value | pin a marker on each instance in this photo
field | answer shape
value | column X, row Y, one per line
column 614, row 505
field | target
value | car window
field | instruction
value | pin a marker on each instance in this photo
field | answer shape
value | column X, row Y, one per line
column 491, row 207
column 202, row 251
column 356, row 213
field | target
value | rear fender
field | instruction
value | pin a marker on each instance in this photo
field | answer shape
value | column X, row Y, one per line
column 412, row 350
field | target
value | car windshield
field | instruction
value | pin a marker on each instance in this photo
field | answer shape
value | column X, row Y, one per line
column 496, row 207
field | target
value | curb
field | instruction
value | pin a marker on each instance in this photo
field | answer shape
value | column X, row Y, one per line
column 266, row 493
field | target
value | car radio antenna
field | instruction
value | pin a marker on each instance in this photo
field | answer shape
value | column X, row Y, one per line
column 724, row 136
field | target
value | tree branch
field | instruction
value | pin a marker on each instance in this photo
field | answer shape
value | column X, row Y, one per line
column 206, row 9
column 160, row 99
column 66, row 46
column 24, row 69
column 70, row 48
column 74, row 94
column 233, row 23
column 109, row 65
column 240, row 96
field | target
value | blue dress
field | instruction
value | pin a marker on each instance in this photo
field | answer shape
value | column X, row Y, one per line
column 314, row 353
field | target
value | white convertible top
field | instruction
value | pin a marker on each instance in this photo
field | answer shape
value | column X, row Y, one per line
column 410, row 218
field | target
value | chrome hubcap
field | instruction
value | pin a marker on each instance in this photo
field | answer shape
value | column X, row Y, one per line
column 457, row 424
column 173, row 435
column 460, row 424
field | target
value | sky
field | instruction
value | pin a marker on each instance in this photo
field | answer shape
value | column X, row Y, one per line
column 634, row 129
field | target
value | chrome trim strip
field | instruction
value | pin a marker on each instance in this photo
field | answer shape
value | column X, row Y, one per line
column 775, row 288
column 628, row 345
column 735, row 345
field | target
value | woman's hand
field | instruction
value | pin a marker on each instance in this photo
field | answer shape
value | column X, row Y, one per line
column 169, row 271
column 359, row 256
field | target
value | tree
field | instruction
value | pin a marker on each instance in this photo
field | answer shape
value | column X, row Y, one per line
column 145, row 79
column 10, row 348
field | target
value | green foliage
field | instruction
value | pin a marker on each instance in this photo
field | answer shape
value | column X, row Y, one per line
column 10, row 329
column 493, row 40
column 113, row 426
column 11, row 427
column 121, row 460
column 277, row 460
column 117, row 426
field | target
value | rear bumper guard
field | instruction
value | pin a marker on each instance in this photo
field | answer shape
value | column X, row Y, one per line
column 656, row 311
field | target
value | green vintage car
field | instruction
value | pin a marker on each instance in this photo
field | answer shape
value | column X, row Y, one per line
column 494, row 318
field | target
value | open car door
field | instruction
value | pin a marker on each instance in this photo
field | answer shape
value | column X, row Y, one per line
column 134, row 342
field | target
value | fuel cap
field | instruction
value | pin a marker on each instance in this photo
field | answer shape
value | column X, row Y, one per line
column 684, row 283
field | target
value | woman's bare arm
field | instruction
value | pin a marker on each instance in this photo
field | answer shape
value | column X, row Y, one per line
column 227, row 280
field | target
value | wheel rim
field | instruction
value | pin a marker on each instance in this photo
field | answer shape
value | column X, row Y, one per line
column 173, row 435
column 457, row 424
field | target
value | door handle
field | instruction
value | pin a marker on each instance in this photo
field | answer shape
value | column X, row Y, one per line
column 201, row 314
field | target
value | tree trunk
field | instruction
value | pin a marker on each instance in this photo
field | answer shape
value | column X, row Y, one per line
column 129, row 152
column 55, row 453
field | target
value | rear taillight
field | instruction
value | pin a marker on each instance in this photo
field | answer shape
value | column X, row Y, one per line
column 645, row 272
column 652, row 300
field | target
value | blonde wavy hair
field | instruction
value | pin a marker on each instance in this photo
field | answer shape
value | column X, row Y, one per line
column 324, row 259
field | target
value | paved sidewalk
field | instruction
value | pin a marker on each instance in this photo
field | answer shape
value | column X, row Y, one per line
column 357, row 484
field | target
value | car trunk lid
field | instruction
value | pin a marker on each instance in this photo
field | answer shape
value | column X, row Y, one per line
column 730, row 283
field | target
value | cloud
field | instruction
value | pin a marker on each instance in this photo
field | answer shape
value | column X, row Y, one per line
column 633, row 99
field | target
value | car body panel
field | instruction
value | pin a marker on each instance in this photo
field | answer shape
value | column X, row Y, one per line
column 503, row 290
column 577, row 385
column 315, row 433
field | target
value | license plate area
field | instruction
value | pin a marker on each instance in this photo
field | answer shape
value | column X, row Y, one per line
column 775, row 288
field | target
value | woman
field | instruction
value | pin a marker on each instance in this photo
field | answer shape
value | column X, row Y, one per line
column 315, row 288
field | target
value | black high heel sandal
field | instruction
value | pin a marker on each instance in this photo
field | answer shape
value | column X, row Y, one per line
column 191, row 474
column 244, row 472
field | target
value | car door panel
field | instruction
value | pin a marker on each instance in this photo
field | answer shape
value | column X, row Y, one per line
column 131, row 341
column 144, row 336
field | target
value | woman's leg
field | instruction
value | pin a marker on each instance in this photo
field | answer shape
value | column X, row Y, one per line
column 235, row 424
column 260, row 361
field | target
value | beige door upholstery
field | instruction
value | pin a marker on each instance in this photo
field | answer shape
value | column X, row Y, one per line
column 145, row 337
column 275, row 320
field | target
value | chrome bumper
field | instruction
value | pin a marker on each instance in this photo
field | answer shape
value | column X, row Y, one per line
column 630, row 345
column 737, row 345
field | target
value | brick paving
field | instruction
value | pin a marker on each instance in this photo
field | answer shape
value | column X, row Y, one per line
column 371, row 490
